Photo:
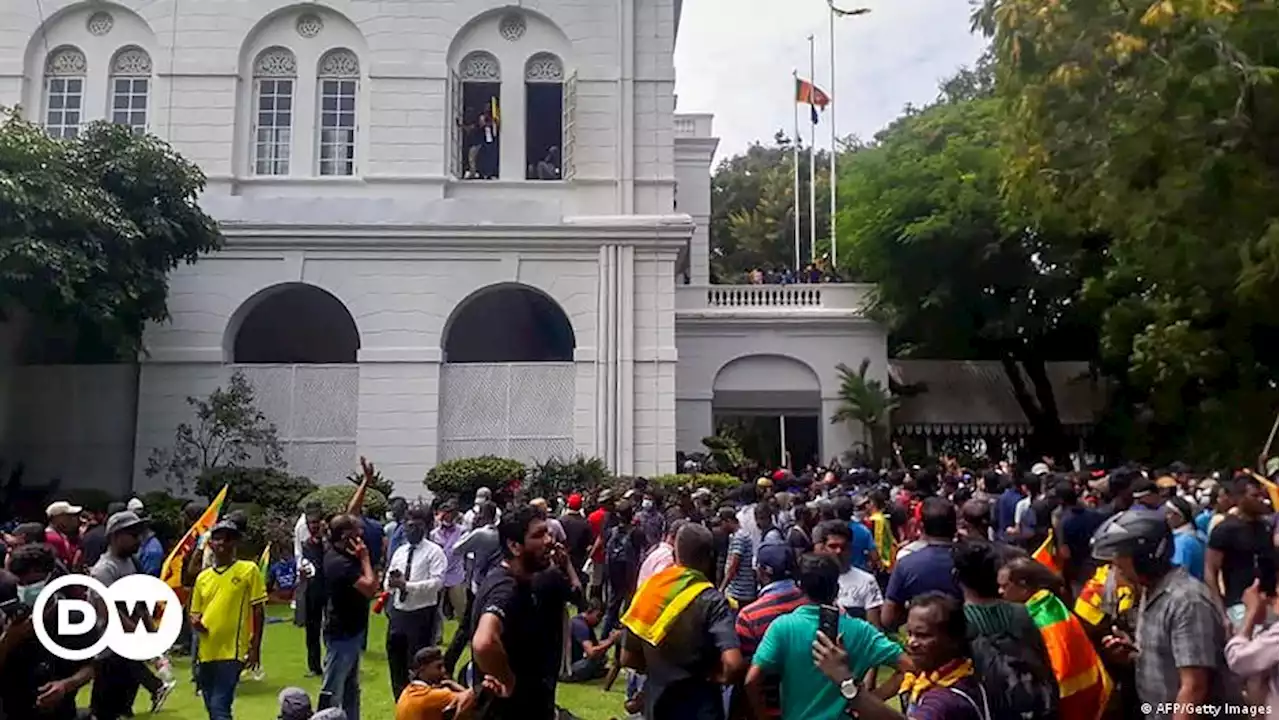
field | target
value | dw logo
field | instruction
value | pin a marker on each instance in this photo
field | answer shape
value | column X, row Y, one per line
column 148, row 605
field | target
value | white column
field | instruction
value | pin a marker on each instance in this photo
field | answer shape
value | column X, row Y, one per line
column 782, row 440
column 626, row 359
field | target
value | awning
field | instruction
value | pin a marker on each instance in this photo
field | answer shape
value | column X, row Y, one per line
column 974, row 397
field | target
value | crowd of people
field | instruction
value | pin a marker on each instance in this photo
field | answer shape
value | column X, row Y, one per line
column 819, row 271
column 927, row 593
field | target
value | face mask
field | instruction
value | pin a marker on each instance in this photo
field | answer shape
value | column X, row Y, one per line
column 27, row 594
column 646, row 504
column 414, row 535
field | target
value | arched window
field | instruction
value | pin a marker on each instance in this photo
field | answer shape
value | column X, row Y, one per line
column 130, row 83
column 544, row 117
column 64, row 73
column 478, row 115
column 339, row 77
column 274, row 74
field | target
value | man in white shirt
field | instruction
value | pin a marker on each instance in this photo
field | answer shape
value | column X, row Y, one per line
column 415, row 575
column 662, row 556
column 483, row 495
column 859, row 594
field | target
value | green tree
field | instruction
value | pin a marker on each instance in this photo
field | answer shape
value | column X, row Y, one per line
column 1155, row 124
column 960, row 274
column 752, row 211
column 89, row 230
column 867, row 402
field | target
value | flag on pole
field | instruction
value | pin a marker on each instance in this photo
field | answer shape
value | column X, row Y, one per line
column 1045, row 554
column 171, row 571
column 809, row 94
column 264, row 563
column 493, row 111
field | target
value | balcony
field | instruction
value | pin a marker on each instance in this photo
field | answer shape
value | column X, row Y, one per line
column 826, row 303
column 693, row 125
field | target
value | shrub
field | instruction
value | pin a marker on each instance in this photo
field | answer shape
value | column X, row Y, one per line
column 718, row 483
column 92, row 498
column 724, row 453
column 379, row 483
column 462, row 477
column 267, row 526
column 557, row 477
column 165, row 513
column 334, row 498
column 267, row 487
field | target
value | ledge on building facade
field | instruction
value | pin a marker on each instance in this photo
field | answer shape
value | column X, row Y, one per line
column 774, row 303
column 693, row 125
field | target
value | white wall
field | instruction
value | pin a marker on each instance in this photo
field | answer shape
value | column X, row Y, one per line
column 621, row 52
column 706, row 348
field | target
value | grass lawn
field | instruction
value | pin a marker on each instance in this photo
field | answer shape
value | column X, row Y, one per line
column 284, row 661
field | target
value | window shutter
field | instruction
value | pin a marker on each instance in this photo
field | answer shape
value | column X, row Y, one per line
column 569, row 128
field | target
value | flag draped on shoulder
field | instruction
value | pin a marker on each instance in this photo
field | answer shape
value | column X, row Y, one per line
column 660, row 600
column 1046, row 555
column 809, row 94
column 1083, row 683
column 1102, row 596
column 171, row 571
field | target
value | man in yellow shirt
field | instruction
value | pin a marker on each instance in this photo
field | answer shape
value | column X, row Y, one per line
column 227, row 609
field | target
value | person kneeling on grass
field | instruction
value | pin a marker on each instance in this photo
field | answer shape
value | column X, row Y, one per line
column 431, row 695
column 227, row 613
column 589, row 655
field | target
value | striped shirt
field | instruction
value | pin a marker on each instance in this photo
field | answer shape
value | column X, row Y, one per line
column 776, row 599
column 742, row 586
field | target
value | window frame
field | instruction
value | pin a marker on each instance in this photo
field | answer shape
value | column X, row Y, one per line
column 283, row 70
column 76, row 70
column 341, row 68
column 133, row 77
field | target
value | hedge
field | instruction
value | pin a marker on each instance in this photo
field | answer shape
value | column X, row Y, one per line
column 334, row 499
column 462, row 477
column 267, row 487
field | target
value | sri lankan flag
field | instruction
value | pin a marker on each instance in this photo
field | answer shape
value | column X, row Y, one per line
column 171, row 571
column 660, row 600
column 809, row 94
column 1083, row 683
column 493, row 112
column 1092, row 603
column 886, row 544
column 1046, row 555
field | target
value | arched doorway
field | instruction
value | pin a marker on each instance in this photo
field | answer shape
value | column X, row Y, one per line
column 296, row 344
column 772, row 403
column 507, row 383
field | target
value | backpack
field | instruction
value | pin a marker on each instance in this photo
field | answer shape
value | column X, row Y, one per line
column 619, row 555
column 1017, row 683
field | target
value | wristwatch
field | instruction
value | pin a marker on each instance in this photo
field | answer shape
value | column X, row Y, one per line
column 849, row 689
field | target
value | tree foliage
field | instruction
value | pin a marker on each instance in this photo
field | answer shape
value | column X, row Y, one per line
column 867, row 402
column 89, row 230
column 1154, row 123
column 229, row 430
column 960, row 272
column 752, row 218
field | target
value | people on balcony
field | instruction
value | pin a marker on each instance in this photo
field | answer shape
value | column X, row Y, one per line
column 816, row 272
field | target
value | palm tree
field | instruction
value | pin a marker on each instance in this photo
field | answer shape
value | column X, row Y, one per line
column 867, row 402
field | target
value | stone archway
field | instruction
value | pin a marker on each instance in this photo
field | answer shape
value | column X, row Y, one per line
column 297, row 346
column 774, row 402
column 507, row 383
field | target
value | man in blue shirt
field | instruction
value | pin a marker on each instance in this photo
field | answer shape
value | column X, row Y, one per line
column 862, row 547
column 928, row 569
column 1188, row 544
column 1006, row 509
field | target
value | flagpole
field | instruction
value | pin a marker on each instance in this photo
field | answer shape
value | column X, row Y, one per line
column 795, row 168
column 813, row 159
column 832, row 174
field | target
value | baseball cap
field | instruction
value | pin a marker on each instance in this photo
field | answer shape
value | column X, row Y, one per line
column 62, row 507
column 575, row 502
column 1166, row 481
column 134, row 505
column 764, row 482
column 1040, row 469
column 700, row 492
column 1143, row 488
column 295, row 704
column 123, row 520
column 225, row 526
column 778, row 558
column 604, row 496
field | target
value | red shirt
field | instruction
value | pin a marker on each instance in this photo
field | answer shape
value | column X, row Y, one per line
column 597, row 519
column 62, row 546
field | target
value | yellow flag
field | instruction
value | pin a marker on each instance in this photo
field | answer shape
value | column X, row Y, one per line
column 264, row 562
column 171, row 571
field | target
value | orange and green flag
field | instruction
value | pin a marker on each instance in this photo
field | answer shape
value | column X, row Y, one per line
column 886, row 543
column 1084, row 687
column 1045, row 554
column 660, row 600
column 171, row 571
column 809, row 94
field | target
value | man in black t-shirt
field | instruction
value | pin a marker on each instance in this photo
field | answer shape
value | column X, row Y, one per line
column 311, row 596
column 349, row 583
column 519, row 618
column 577, row 532
column 1240, row 547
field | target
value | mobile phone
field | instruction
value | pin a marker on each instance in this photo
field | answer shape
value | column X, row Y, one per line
column 829, row 622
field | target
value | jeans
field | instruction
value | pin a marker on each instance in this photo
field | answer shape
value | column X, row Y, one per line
column 341, row 685
column 587, row 669
column 218, row 681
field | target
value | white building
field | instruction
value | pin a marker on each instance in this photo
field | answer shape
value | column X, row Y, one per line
column 384, row 300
